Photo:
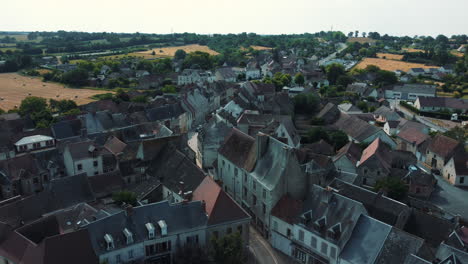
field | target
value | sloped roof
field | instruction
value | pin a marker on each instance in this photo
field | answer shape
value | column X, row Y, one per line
column 66, row 129
column 445, row 252
column 218, row 205
column 443, row 102
column 443, row 146
column 398, row 246
column 413, row 135
column 164, row 112
column 351, row 150
column 320, row 147
column 114, row 145
column 287, row 209
column 239, row 148
column 355, row 127
column 379, row 151
column 422, row 225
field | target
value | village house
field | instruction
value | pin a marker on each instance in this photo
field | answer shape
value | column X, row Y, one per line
column 379, row 161
column 209, row 139
column 421, row 184
column 410, row 92
column 455, row 170
column 172, row 116
column 258, row 172
column 440, row 150
column 416, row 72
column 86, row 157
column 252, row 71
column 191, row 76
column 413, row 140
column 225, row 74
column 33, row 143
column 437, row 104
column 346, row 161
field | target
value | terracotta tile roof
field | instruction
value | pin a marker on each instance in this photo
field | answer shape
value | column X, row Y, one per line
column 379, row 150
column 413, row 135
column 287, row 209
column 443, row 146
column 219, row 207
column 239, row 148
column 114, row 145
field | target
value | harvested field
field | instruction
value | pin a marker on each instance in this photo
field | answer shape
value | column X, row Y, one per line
column 411, row 50
column 361, row 40
column 390, row 56
column 170, row 51
column 456, row 53
column 391, row 65
column 14, row 88
column 260, row 48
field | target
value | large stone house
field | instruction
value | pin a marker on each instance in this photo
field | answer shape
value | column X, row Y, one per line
column 190, row 76
column 346, row 161
column 455, row 170
column 440, row 150
column 258, row 172
column 86, row 157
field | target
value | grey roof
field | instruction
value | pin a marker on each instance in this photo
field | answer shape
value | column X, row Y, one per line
column 178, row 217
column 103, row 121
column 444, row 102
column 227, row 73
column 84, row 149
column 388, row 113
column 413, row 259
column 398, row 246
column 66, row 129
column 61, row 193
column 355, row 128
column 274, row 163
column 169, row 111
column 334, row 210
column 446, row 252
column 416, row 88
column 366, row 242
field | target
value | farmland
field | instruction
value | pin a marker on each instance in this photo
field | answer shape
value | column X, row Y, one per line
column 260, row 48
column 170, row 51
column 391, row 65
column 361, row 40
column 14, row 88
column 389, row 56
column 411, row 50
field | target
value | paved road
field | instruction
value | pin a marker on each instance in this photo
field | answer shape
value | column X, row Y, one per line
column 333, row 55
column 263, row 253
column 450, row 198
column 418, row 118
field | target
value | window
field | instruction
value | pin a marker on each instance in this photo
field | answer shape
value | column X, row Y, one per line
column 79, row 167
column 313, row 242
column 223, row 163
column 254, row 185
column 239, row 229
column 245, row 177
column 264, row 208
column 254, row 199
column 118, row 259
column 244, row 191
column 96, row 172
column 275, row 225
column 95, row 163
column 288, row 232
column 462, row 179
column 264, row 194
column 236, row 171
column 324, row 248
column 130, row 254
column 333, row 252
column 364, row 181
column 301, row 235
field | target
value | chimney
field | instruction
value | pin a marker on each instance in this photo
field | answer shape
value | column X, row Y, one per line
column 129, row 210
column 262, row 144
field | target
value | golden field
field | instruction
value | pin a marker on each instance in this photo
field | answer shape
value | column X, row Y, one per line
column 361, row 40
column 389, row 56
column 14, row 88
column 391, row 65
column 170, row 51
column 411, row 50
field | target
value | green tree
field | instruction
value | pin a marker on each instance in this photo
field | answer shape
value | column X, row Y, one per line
column 363, row 106
column 139, row 99
column 62, row 105
column 78, row 77
column 200, row 59
column 125, row 197
column 180, row 54
column 306, row 103
column 458, row 133
column 338, row 139
column 344, row 80
column 299, row 79
column 169, row 89
column 334, row 71
column 393, row 186
column 228, row 249
column 32, row 104
column 316, row 134
column 386, row 78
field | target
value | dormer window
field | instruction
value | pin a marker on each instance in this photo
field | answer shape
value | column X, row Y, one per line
column 306, row 217
column 109, row 242
column 162, row 224
column 320, row 224
column 335, row 232
column 128, row 236
column 150, row 228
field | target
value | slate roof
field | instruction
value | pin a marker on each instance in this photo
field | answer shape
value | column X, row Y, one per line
column 388, row 113
column 443, row 102
column 227, row 73
column 21, row 167
column 60, row 193
column 366, row 241
column 66, row 129
column 330, row 113
column 320, row 147
column 355, row 127
column 379, row 207
column 106, row 184
column 443, row 146
column 239, row 148
column 416, row 88
column 219, row 206
column 178, row 217
column 82, row 150
column 398, row 246
column 176, row 171
column 351, row 150
column 169, row 111
column 413, row 259
column 445, row 252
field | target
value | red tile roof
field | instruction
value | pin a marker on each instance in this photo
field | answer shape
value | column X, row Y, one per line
column 413, row 135
column 287, row 209
column 379, row 150
column 219, row 207
column 443, row 146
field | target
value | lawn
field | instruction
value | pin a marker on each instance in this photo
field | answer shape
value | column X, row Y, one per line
column 14, row 88
column 391, row 65
column 390, row 56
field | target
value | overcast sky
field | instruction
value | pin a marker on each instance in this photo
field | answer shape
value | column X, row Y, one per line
column 394, row 17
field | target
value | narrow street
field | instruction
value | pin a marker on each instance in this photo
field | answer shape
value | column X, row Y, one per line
column 263, row 253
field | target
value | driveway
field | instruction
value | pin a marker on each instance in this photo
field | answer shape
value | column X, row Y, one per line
column 262, row 252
